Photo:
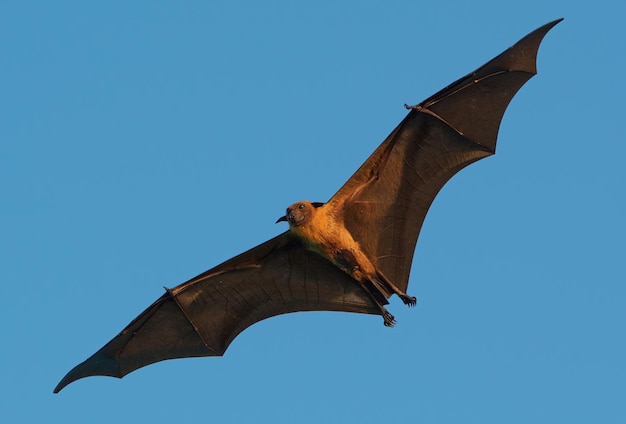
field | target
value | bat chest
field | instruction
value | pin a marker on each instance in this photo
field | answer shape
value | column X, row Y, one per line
column 331, row 240
column 347, row 257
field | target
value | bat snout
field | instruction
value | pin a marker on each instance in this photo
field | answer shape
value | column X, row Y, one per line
column 290, row 216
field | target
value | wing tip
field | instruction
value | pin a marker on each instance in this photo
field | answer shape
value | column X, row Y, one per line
column 551, row 24
column 543, row 30
column 525, row 51
column 98, row 364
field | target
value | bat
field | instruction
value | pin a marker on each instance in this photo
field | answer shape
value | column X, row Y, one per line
column 349, row 254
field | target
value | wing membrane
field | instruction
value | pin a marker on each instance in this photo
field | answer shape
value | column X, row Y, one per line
column 385, row 202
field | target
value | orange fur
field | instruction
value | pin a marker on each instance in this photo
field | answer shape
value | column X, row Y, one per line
column 321, row 231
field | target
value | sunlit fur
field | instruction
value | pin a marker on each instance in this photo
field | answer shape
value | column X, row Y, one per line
column 320, row 230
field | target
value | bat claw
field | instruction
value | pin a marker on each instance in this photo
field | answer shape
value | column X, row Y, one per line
column 410, row 301
column 390, row 321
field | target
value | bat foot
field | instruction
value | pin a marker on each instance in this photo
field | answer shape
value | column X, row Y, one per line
column 410, row 301
column 384, row 281
column 390, row 321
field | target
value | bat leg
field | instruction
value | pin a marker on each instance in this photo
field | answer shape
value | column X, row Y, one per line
column 375, row 285
column 382, row 284
column 375, row 295
column 410, row 301
column 389, row 320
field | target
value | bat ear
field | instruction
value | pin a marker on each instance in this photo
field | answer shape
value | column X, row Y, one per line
column 281, row 219
column 317, row 204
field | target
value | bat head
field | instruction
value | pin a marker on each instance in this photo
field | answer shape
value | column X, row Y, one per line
column 300, row 213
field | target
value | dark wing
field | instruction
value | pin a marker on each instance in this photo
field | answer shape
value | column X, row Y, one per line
column 385, row 202
column 202, row 316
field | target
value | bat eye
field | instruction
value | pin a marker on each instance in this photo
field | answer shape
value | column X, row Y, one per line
column 301, row 206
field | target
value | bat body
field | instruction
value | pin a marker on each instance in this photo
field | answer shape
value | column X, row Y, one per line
column 320, row 228
column 349, row 254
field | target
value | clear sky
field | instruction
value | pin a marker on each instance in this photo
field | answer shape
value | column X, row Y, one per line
column 142, row 143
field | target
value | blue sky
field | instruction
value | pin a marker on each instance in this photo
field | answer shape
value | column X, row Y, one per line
column 145, row 142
